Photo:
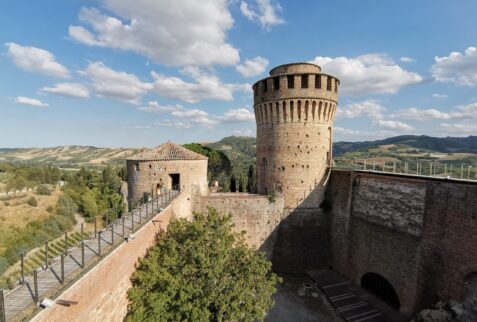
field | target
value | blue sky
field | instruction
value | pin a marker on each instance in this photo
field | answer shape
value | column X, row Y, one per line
column 119, row 73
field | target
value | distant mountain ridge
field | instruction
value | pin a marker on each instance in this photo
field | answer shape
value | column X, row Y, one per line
column 444, row 145
column 241, row 150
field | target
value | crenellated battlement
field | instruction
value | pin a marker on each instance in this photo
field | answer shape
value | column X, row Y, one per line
column 296, row 85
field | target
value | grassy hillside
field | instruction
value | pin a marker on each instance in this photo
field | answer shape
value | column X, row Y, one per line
column 66, row 156
column 241, row 150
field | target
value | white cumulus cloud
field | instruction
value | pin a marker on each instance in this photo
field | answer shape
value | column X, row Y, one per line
column 423, row 114
column 252, row 67
column 75, row 90
column 437, row 95
column 170, row 32
column 368, row 108
column 30, row 101
column 457, row 68
column 206, row 86
column 265, row 12
column 368, row 74
column 37, row 60
column 394, row 125
column 187, row 117
column 120, row 86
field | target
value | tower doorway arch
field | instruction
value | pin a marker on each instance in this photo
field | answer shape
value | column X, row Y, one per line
column 381, row 288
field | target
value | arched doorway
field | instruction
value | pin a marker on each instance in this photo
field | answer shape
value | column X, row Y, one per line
column 381, row 288
column 159, row 187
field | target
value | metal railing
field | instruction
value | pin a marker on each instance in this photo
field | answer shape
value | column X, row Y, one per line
column 54, row 252
column 434, row 169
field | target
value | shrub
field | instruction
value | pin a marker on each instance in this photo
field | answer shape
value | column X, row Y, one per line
column 201, row 271
column 50, row 209
column 44, row 190
column 66, row 206
column 32, row 201
column 272, row 197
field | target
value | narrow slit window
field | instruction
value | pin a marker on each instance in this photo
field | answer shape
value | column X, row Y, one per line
column 304, row 81
column 265, row 89
column 328, row 83
column 276, row 83
column 317, row 81
column 291, row 81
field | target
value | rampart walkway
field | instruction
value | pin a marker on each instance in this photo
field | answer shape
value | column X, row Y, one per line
column 20, row 302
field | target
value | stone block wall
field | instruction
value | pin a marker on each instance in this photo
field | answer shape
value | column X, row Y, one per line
column 254, row 214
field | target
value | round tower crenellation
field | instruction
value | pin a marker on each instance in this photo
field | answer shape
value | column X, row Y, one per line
column 294, row 110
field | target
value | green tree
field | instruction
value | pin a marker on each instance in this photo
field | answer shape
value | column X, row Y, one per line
column 218, row 164
column 242, row 184
column 201, row 271
column 251, row 180
column 43, row 189
column 233, row 183
column 66, row 206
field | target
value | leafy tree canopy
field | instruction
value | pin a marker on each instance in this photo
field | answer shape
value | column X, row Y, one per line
column 219, row 163
column 201, row 271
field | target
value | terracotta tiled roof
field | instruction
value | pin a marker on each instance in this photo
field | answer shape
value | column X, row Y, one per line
column 167, row 152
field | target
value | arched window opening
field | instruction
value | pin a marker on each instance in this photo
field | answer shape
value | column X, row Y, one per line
column 291, row 81
column 304, row 81
column 381, row 288
column 265, row 86
column 317, row 81
column 136, row 166
column 266, row 113
column 277, row 112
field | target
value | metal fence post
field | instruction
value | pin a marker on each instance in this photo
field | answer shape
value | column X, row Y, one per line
column 123, row 226
column 82, row 230
column 112, row 234
column 462, row 171
column 82, row 254
column 147, row 203
column 22, row 267
column 62, row 268
column 66, row 242
column 99, row 243
column 46, row 255
column 132, row 222
column 95, row 227
column 35, row 285
column 2, row 307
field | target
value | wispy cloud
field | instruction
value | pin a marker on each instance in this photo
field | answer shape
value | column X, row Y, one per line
column 30, row 101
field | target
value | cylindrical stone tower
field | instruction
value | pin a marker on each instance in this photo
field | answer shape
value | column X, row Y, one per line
column 294, row 111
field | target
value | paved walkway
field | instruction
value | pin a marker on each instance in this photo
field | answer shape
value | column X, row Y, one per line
column 50, row 279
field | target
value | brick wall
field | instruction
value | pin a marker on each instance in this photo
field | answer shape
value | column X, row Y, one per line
column 102, row 292
column 419, row 234
column 254, row 214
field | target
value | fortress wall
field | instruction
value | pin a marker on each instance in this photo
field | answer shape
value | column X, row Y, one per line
column 102, row 292
column 302, row 241
column 419, row 234
column 254, row 214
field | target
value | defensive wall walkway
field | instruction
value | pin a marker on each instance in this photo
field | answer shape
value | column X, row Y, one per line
column 48, row 282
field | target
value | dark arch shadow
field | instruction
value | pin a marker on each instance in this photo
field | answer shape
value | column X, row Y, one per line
column 381, row 288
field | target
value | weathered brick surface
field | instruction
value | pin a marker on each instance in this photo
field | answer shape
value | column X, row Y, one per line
column 419, row 234
column 254, row 214
column 294, row 133
column 102, row 292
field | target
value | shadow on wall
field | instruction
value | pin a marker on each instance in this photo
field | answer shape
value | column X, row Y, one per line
column 300, row 242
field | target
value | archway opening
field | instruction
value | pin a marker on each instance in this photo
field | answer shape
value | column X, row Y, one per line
column 381, row 288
